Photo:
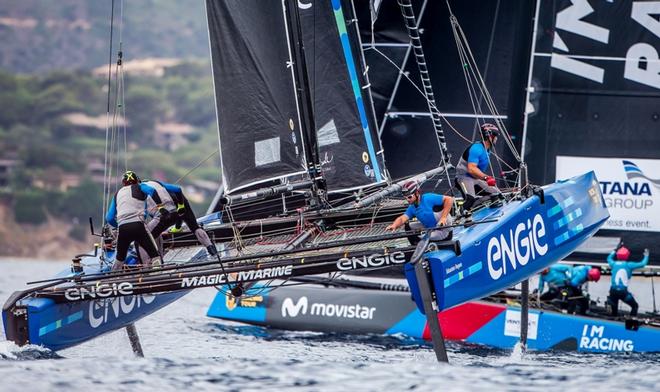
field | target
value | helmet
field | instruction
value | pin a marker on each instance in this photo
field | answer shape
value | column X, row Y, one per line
column 622, row 254
column 130, row 178
column 594, row 274
column 488, row 130
column 409, row 188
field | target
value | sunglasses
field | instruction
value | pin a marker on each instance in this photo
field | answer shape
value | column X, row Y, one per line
column 410, row 197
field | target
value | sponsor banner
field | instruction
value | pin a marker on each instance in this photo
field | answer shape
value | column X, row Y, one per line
column 241, row 276
column 630, row 186
column 346, row 310
column 104, row 290
column 600, row 338
column 598, row 45
column 512, row 324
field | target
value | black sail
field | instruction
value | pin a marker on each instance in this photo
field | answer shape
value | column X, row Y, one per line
column 258, row 121
column 346, row 133
column 594, row 104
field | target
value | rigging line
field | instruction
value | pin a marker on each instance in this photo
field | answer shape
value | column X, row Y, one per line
column 460, row 41
column 484, row 90
column 107, row 118
column 420, row 91
column 197, row 166
column 120, row 80
column 492, row 39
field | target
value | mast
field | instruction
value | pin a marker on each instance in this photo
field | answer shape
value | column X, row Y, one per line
column 303, row 96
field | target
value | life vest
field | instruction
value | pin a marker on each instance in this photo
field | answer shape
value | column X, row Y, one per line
column 130, row 202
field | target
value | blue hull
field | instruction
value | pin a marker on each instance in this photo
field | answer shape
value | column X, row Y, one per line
column 527, row 237
column 483, row 323
column 58, row 326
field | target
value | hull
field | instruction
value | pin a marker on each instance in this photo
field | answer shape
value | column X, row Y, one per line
column 358, row 311
column 60, row 326
column 57, row 326
column 527, row 237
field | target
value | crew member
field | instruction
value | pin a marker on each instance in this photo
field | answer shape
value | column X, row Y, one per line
column 577, row 301
column 177, row 205
column 621, row 274
column 186, row 215
column 555, row 276
column 471, row 168
column 127, row 211
column 422, row 208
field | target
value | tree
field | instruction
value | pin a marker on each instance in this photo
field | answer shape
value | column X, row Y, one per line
column 144, row 106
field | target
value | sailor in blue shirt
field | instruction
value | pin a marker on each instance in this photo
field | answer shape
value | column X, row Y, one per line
column 127, row 212
column 577, row 301
column 621, row 274
column 471, row 168
column 555, row 276
column 422, row 208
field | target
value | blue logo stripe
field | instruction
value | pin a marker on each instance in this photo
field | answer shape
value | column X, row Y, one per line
column 554, row 211
column 474, row 268
column 348, row 56
column 60, row 323
column 568, row 218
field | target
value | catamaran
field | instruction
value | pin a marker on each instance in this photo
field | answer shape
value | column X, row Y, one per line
column 306, row 190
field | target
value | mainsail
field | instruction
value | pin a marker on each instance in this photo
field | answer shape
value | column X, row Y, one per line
column 258, row 119
column 349, row 148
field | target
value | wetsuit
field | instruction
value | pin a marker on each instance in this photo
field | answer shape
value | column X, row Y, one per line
column 426, row 217
column 577, row 302
column 171, row 195
column 177, row 204
column 478, row 155
column 556, row 278
column 127, row 211
column 621, row 274
column 188, row 216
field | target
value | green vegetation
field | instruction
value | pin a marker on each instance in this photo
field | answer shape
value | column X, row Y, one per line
column 43, row 35
column 57, row 158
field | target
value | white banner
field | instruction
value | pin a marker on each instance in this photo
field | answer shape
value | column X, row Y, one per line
column 631, row 188
column 512, row 324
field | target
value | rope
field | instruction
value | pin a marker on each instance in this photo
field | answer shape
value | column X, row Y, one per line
column 107, row 119
column 217, row 150
column 474, row 78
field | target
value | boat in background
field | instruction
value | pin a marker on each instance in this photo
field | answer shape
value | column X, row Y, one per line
column 381, row 306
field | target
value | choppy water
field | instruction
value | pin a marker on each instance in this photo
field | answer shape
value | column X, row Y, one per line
column 186, row 350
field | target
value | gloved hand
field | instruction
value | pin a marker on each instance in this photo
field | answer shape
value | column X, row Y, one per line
column 491, row 181
column 646, row 252
column 180, row 209
column 163, row 212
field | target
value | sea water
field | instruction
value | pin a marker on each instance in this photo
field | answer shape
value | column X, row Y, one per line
column 185, row 350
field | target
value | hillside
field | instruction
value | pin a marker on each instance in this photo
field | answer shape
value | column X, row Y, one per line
column 44, row 35
column 49, row 240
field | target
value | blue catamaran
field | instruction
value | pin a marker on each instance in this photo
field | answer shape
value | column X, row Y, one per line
column 315, row 197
